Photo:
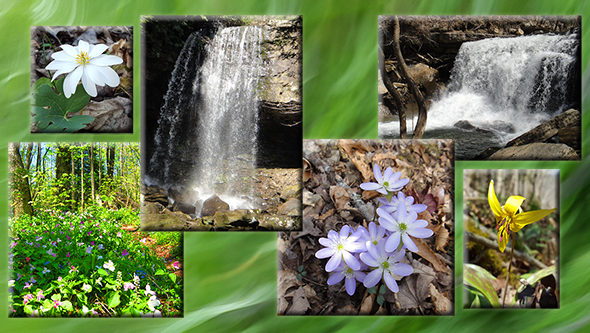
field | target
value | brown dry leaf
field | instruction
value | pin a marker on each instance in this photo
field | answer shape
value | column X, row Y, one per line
column 442, row 305
column 306, row 170
column 340, row 197
column 413, row 290
column 110, row 115
column 286, row 280
column 381, row 312
column 384, row 156
column 345, row 310
column 326, row 214
column 368, row 195
column 442, row 238
column 367, row 305
column 362, row 166
column 426, row 252
column 282, row 305
column 300, row 303
column 362, row 146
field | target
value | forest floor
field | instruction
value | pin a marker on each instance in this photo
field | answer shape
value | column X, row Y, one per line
column 332, row 199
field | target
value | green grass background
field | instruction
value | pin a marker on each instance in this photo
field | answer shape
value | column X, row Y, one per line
column 230, row 278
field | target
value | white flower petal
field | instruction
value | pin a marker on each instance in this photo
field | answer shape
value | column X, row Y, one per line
column 419, row 224
column 63, row 56
column 71, row 81
column 419, row 208
column 106, row 60
column 90, row 88
column 397, row 256
column 93, row 75
column 370, row 186
column 388, row 173
column 62, row 67
column 70, row 50
column 109, row 76
column 326, row 242
column 96, row 50
column 83, row 46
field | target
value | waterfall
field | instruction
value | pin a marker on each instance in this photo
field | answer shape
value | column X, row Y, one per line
column 228, row 118
column 208, row 126
column 509, row 85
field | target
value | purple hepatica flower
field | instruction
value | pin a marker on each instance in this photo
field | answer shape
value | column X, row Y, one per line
column 100, row 247
column 27, row 285
column 375, row 233
column 388, row 182
column 391, row 207
column 343, row 271
column 57, row 303
column 125, row 253
column 387, row 265
column 27, row 298
column 13, row 244
column 89, row 249
column 119, row 234
column 403, row 225
column 128, row 285
column 149, row 291
column 340, row 246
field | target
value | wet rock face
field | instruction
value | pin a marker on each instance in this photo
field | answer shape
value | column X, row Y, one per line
column 212, row 205
column 155, row 194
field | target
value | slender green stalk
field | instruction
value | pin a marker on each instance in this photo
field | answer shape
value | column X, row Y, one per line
column 509, row 267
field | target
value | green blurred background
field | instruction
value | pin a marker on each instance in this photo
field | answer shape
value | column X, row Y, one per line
column 230, row 280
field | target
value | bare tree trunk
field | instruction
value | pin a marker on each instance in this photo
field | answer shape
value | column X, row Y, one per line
column 19, row 181
column 422, row 113
column 397, row 98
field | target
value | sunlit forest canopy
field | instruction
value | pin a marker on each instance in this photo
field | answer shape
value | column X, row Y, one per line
column 73, row 176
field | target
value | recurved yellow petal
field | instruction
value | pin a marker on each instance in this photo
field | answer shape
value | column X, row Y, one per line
column 522, row 219
column 513, row 204
column 494, row 203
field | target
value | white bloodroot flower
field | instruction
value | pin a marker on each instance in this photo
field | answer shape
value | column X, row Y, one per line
column 87, row 63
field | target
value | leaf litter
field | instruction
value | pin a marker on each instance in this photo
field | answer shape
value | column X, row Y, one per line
column 332, row 198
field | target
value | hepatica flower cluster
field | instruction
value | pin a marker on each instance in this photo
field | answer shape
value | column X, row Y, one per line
column 374, row 254
column 68, row 264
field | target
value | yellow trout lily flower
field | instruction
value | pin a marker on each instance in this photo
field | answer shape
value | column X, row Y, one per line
column 511, row 215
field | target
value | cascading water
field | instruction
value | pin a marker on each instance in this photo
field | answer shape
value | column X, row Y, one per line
column 504, row 87
column 228, row 117
column 208, row 127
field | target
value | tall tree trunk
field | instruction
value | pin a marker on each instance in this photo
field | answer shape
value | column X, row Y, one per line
column 397, row 98
column 63, row 160
column 422, row 113
column 110, row 161
column 19, row 181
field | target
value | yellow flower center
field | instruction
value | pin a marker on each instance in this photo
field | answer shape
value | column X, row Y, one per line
column 385, row 264
column 82, row 58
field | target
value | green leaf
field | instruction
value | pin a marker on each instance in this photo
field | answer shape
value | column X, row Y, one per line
column 102, row 272
column 382, row 290
column 39, row 83
column 482, row 280
column 50, row 109
column 380, row 300
column 135, row 313
column 160, row 272
column 67, row 305
column 172, row 277
column 372, row 290
column 113, row 299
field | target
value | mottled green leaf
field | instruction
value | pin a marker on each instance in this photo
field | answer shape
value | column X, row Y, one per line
column 113, row 299
column 50, row 109
column 482, row 280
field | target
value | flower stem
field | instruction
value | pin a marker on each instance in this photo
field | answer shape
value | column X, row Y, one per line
column 509, row 267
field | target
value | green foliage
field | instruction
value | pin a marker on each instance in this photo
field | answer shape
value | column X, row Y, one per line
column 50, row 109
column 480, row 283
column 301, row 273
column 67, row 264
